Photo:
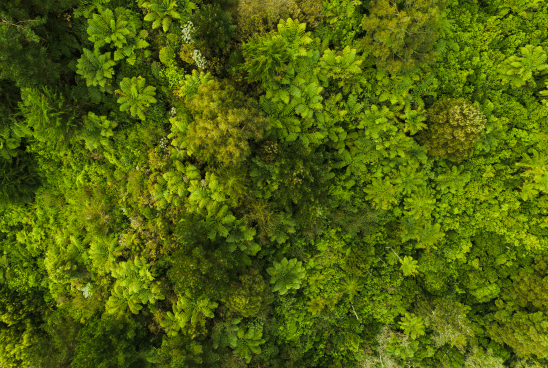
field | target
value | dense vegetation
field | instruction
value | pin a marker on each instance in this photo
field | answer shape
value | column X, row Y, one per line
column 274, row 183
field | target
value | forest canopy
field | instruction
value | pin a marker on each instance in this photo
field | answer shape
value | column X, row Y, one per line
column 274, row 184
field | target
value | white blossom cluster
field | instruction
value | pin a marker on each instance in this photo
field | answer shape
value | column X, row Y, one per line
column 188, row 30
column 199, row 59
column 173, row 112
column 86, row 290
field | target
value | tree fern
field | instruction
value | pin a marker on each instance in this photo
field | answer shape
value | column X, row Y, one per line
column 96, row 131
column 135, row 97
column 96, row 68
column 104, row 29
column 188, row 314
column 162, row 12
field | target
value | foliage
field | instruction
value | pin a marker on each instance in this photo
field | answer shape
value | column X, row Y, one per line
column 222, row 134
column 409, row 266
column 412, row 325
column 188, row 314
column 401, row 34
column 135, row 97
column 161, row 12
column 213, row 29
column 107, row 342
column 96, row 68
column 250, row 295
column 286, row 275
column 148, row 242
column 19, row 180
column 518, row 70
column 454, row 128
column 133, row 287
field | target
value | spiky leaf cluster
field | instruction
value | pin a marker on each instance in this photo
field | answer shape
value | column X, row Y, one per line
column 162, row 12
column 286, row 275
column 188, row 314
column 104, row 29
column 96, row 68
column 135, row 97
column 454, row 128
column 518, row 70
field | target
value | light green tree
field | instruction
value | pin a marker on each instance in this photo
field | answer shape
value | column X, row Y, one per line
column 96, row 68
column 412, row 325
column 286, row 275
column 188, row 314
column 104, row 29
column 135, row 97
column 162, row 12
column 518, row 70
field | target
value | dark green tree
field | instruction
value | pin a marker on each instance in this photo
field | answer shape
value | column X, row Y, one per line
column 36, row 41
column 401, row 34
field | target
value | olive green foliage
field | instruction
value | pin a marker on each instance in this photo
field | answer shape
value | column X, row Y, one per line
column 250, row 294
column 521, row 320
column 133, row 287
column 447, row 319
column 265, row 57
column 97, row 131
column 260, row 18
column 286, row 275
column 135, row 97
column 19, row 180
column 409, row 266
column 223, row 124
column 400, row 34
column 110, row 342
column 412, row 325
column 454, row 128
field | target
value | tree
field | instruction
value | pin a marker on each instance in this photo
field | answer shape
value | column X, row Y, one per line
column 479, row 358
column 265, row 57
column 96, row 68
column 104, row 29
column 36, row 44
column 133, row 287
column 521, row 320
column 454, row 127
column 188, row 315
column 518, row 70
column 286, row 275
column 447, row 318
column 111, row 342
column 401, row 33
column 18, row 180
column 97, row 131
column 161, row 12
column 213, row 29
column 48, row 118
column 248, row 296
column 135, row 97
column 224, row 123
